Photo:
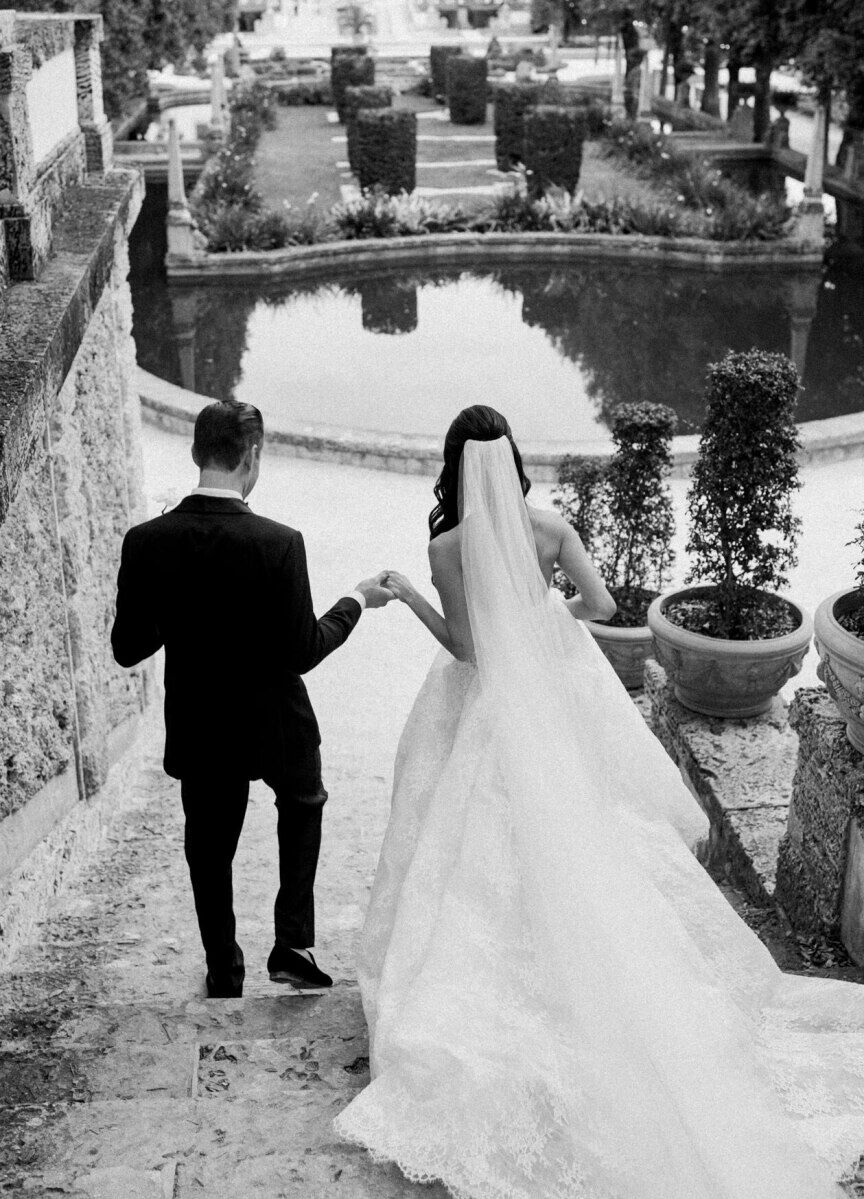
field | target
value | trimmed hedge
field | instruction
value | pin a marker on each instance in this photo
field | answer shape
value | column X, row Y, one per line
column 296, row 92
column 355, row 99
column 438, row 56
column 466, row 89
column 354, row 70
column 552, row 147
column 512, row 101
column 387, row 149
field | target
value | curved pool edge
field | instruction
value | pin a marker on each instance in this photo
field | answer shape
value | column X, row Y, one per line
column 174, row 409
column 445, row 248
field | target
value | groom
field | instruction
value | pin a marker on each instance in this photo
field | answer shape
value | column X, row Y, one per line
column 226, row 592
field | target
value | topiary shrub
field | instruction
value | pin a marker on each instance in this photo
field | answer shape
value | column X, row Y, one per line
column 355, row 99
column 387, row 149
column 578, row 496
column 438, row 56
column 622, row 509
column 466, row 89
column 512, row 101
column 552, row 147
column 743, row 534
column 355, row 70
column 637, row 551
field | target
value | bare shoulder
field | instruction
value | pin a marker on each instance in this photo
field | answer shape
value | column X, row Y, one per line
column 446, row 547
column 547, row 524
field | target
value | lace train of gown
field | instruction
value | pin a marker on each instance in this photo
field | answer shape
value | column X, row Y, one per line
column 560, row 1001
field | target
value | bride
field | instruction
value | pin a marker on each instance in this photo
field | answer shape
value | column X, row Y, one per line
column 560, row 1002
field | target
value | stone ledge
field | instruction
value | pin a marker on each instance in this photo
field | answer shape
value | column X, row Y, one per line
column 455, row 247
column 741, row 773
column 45, row 321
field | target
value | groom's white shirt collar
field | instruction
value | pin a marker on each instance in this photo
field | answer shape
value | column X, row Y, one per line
column 226, row 493
column 218, row 493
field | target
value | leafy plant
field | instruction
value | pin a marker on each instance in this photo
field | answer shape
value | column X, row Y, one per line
column 622, row 510
column 376, row 214
column 743, row 533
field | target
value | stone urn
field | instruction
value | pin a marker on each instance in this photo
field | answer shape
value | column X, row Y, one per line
column 716, row 677
column 626, row 649
column 841, row 662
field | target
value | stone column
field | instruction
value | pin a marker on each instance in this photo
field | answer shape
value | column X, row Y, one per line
column 820, row 868
column 803, row 297
column 553, row 41
column 218, row 119
column 98, row 138
column 645, row 111
column 17, row 169
column 810, row 218
column 184, row 240
column 617, row 106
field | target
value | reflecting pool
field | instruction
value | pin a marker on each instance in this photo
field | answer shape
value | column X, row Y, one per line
column 555, row 348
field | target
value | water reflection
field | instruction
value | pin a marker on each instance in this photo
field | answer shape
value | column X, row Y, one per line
column 557, row 349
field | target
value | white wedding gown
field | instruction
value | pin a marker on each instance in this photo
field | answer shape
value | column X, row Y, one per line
column 561, row 1004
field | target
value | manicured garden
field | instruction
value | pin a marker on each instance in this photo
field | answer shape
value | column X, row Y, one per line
column 539, row 158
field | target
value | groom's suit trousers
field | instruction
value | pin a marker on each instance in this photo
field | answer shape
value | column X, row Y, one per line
column 215, row 807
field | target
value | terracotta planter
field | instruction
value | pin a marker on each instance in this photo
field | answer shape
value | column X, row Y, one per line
column 841, row 662
column 626, row 649
column 725, row 678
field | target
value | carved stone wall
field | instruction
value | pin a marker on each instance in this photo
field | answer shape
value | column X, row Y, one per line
column 820, row 872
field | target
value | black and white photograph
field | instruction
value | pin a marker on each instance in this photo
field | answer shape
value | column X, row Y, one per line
column 432, row 599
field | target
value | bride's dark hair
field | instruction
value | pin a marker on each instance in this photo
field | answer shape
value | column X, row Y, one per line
column 477, row 423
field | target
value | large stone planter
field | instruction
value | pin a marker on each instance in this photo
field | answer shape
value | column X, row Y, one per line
column 725, row 678
column 841, row 665
column 626, row 649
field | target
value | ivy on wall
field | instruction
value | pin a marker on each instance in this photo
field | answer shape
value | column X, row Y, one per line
column 141, row 34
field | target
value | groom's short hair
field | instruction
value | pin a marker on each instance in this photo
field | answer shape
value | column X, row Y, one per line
column 224, row 432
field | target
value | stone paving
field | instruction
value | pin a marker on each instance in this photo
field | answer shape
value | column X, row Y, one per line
column 117, row 1079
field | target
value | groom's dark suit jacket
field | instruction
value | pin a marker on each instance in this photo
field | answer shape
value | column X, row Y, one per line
column 227, row 593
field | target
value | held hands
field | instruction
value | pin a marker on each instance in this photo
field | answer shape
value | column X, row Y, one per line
column 374, row 591
column 401, row 588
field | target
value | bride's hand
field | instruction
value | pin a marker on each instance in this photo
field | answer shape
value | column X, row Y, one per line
column 401, row 587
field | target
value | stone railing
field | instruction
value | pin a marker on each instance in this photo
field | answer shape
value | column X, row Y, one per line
column 53, row 128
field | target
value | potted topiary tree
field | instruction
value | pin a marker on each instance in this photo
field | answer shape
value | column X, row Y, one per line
column 622, row 511
column 729, row 644
column 839, row 626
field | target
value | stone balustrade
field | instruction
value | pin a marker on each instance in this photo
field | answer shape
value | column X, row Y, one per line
column 53, row 129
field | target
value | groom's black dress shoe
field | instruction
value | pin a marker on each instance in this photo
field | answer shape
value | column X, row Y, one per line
column 224, row 990
column 287, row 966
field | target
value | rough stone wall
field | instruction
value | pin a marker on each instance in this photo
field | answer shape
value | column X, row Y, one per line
column 827, row 796
column 95, row 483
column 35, row 690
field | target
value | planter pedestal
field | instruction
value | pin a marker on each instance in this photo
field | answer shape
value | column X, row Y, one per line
column 820, row 869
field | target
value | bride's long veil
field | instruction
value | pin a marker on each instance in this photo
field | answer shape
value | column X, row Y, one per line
column 667, row 1084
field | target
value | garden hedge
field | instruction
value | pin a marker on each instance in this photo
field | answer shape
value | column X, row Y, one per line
column 438, row 56
column 355, row 99
column 552, row 147
column 349, row 70
column 386, row 149
column 512, row 101
column 467, row 89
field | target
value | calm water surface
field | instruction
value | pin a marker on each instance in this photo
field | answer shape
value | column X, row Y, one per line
column 556, row 349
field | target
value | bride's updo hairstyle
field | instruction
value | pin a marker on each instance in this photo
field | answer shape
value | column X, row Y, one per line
column 477, row 423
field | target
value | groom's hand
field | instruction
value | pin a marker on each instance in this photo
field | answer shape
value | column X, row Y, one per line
column 374, row 592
